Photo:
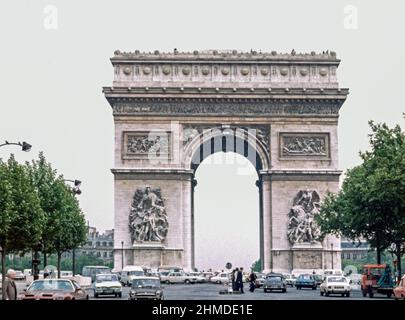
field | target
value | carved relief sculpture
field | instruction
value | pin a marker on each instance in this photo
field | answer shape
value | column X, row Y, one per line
column 148, row 218
column 304, row 145
column 146, row 144
column 302, row 227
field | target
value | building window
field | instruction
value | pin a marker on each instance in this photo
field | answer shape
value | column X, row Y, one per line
column 97, row 243
column 98, row 254
column 343, row 255
column 111, row 254
column 104, row 244
column 105, row 254
column 89, row 243
column 348, row 256
column 354, row 256
column 111, row 244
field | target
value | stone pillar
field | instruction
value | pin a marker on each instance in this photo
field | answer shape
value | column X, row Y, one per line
column 267, row 225
column 259, row 184
column 193, row 185
column 188, row 235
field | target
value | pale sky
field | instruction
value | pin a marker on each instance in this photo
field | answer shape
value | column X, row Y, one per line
column 51, row 79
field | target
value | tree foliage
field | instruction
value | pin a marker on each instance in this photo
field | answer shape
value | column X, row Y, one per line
column 371, row 202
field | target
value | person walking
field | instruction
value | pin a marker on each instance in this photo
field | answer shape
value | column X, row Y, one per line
column 234, row 279
column 252, row 281
column 239, row 280
column 10, row 289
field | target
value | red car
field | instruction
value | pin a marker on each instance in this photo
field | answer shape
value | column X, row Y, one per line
column 54, row 289
column 399, row 291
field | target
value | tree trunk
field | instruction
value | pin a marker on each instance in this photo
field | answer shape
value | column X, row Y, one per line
column 398, row 254
column 45, row 259
column 3, row 271
column 59, row 258
column 378, row 247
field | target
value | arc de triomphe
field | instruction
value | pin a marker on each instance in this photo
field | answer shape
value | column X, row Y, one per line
column 172, row 110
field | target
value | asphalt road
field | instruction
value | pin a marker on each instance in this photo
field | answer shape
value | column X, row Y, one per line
column 210, row 291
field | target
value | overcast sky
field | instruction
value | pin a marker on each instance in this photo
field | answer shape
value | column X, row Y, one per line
column 51, row 79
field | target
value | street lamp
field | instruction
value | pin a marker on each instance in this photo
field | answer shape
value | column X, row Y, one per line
column 25, row 146
column 76, row 191
column 122, row 255
column 331, row 246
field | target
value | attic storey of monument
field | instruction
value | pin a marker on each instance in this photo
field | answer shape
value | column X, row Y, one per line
column 172, row 110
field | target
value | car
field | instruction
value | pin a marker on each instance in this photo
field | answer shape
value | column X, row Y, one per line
column 27, row 272
column 146, row 288
column 54, row 289
column 66, row 274
column 318, row 279
column 220, row 278
column 332, row 272
column 199, row 276
column 259, row 282
column 274, row 281
column 377, row 278
column 164, row 276
column 335, row 285
column 19, row 275
column 129, row 273
column 305, row 281
column 399, row 291
column 107, row 284
column 92, row 271
column 289, row 279
column 180, row 277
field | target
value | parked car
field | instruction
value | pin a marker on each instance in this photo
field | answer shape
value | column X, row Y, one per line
column 332, row 272
column 305, row 281
column 54, row 289
column 399, row 291
column 335, row 285
column 107, row 284
column 92, row 271
column 180, row 277
column 220, row 278
column 27, row 272
column 164, row 276
column 19, row 275
column 146, row 288
column 130, row 273
column 274, row 281
column 289, row 279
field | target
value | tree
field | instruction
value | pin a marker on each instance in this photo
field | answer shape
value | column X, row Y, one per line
column 371, row 202
column 21, row 215
column 256, row 266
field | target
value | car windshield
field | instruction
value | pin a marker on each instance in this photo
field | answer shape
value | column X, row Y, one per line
column 49, row 285
column 136, row 273
column 106, row 278
column 305, row 277
column 336, row 279
column 146, row 283
column 274, row 278
column 164, row 273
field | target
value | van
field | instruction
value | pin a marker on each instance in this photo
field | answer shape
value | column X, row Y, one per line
column 131, row 272
column 92, row 271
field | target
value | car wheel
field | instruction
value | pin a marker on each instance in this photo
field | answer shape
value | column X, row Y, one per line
column 120, row 295
column 389, row 294
column 96, row 295
column 218, row 282
column 167, row 282
column 321, row 292
column 327, row 294
column 87, row 297
column 348, row 294
column 187, row 281
column 265, row 290
column 342, row 294
column 314, row 288
column 284, row 290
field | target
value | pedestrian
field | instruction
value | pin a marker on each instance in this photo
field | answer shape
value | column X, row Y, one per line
column 252, row 281
column 234, row 276
column 10, row 290
column 239, row 280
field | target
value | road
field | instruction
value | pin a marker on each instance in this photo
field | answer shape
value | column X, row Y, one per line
column 209, row 291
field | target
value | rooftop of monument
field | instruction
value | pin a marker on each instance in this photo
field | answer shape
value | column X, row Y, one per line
column 226, row 55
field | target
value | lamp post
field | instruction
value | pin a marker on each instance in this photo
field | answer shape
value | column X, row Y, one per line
column 122, row 255
column 331, row 246
column 76, row 191
column 25, row 146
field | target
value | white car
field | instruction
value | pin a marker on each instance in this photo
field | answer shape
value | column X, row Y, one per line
column 180, row 277
column 335, row 285
column 66, row 274
column 199, row 276
column 107, row 284
column 130, row 273
column 220, row 278
column 290, row 279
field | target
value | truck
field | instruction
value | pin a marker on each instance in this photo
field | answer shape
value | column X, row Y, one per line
column 377, row 278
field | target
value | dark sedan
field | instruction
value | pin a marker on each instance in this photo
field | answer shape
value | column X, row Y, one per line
column 274, row 281
column 146, row 288
column 306, row 281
